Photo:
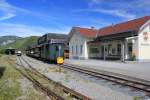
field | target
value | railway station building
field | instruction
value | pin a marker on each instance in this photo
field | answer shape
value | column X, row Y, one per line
column 124, row 41
column 78, row 39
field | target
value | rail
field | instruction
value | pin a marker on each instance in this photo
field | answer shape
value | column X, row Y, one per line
column 65, row 89
column 111, row 77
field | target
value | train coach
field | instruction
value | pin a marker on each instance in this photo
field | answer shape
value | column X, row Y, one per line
column 53, row 52
column 50, row 47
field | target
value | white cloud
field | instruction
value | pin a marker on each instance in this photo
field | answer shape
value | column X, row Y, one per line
column 126, row 9
column 9, row 11
column 113, row 12
column 26, row 30
column 119, row 13
column 6, row 10
column 96, row 1
column 142, row 3
column 93, row 2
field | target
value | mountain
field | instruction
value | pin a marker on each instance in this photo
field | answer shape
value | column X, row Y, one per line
column 21, row 43
column 4, row 40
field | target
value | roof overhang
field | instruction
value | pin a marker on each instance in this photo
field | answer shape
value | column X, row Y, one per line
column 117, row 36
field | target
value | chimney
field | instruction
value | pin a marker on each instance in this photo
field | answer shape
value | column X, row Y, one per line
column 92, row 27
column 112, row 24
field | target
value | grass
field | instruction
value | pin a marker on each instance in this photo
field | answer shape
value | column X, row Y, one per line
column 32, row 94
column 21, row 44
column 136, row 98
column 13, row 84
column 10, row 88
column 10, row 85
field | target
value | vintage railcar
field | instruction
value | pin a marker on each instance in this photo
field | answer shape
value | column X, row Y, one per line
column 50, row 47
column 52, row 52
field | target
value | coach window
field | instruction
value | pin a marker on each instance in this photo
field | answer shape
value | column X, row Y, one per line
column 57, row 49
column 81, row 48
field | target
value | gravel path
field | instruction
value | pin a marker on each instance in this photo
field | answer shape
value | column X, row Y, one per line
column 80, row 84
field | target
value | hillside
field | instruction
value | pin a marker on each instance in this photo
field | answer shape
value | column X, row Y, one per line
column 22, row 43
column 4, row 40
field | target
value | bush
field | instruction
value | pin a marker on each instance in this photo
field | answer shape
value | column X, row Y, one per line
column 133, row 58
column 2, row 51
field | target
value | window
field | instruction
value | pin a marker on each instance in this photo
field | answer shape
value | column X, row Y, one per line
column 109, row 48
column 72, row 50
column 81, row 48
column 94, row 50
column 57, row 48
column 113, row 50
column 76, row 49
column 119, row 49
column 130, row 47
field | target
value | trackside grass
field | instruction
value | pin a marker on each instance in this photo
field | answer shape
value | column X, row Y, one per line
column 13, row 85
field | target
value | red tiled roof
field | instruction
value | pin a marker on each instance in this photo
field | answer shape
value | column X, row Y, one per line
column 132, row 25
column 87, row 32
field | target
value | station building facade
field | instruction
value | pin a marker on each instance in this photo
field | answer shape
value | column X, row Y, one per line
column 124, row 41
column 78, row 39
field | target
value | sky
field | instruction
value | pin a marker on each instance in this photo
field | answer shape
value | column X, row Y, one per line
column 37, row 17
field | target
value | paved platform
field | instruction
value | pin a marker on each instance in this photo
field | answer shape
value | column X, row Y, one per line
column 139, row 70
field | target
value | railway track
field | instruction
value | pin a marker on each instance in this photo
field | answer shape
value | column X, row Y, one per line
column 29, row 75
column 138, row 85
column 32, row 74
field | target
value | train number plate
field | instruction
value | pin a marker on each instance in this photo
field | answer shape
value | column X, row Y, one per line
column 60, row 60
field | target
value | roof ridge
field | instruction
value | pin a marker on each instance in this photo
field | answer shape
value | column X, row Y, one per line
column 86, row 28
column 134, row 24
column 147, row 17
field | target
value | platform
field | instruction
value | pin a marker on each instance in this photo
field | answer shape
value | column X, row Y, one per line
column 139, row 70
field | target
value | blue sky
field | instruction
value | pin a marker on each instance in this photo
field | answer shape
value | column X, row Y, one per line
column 37, row 17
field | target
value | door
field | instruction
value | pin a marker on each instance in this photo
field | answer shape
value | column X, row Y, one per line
column 102, row 51
column 130, row 50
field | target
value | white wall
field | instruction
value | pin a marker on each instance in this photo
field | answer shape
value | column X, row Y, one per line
column 144, row 46
column 77, row 40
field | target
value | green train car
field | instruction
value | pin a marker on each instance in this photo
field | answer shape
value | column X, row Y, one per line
column 50, row 47
column 52, row 52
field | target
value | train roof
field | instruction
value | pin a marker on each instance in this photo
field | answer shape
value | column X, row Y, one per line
column 52, row 36
column 57, row 36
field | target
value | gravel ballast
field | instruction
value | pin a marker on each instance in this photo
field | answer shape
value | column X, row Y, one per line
column 87, row 85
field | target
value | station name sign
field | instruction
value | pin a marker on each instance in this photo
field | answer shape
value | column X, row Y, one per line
column 57, row 41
